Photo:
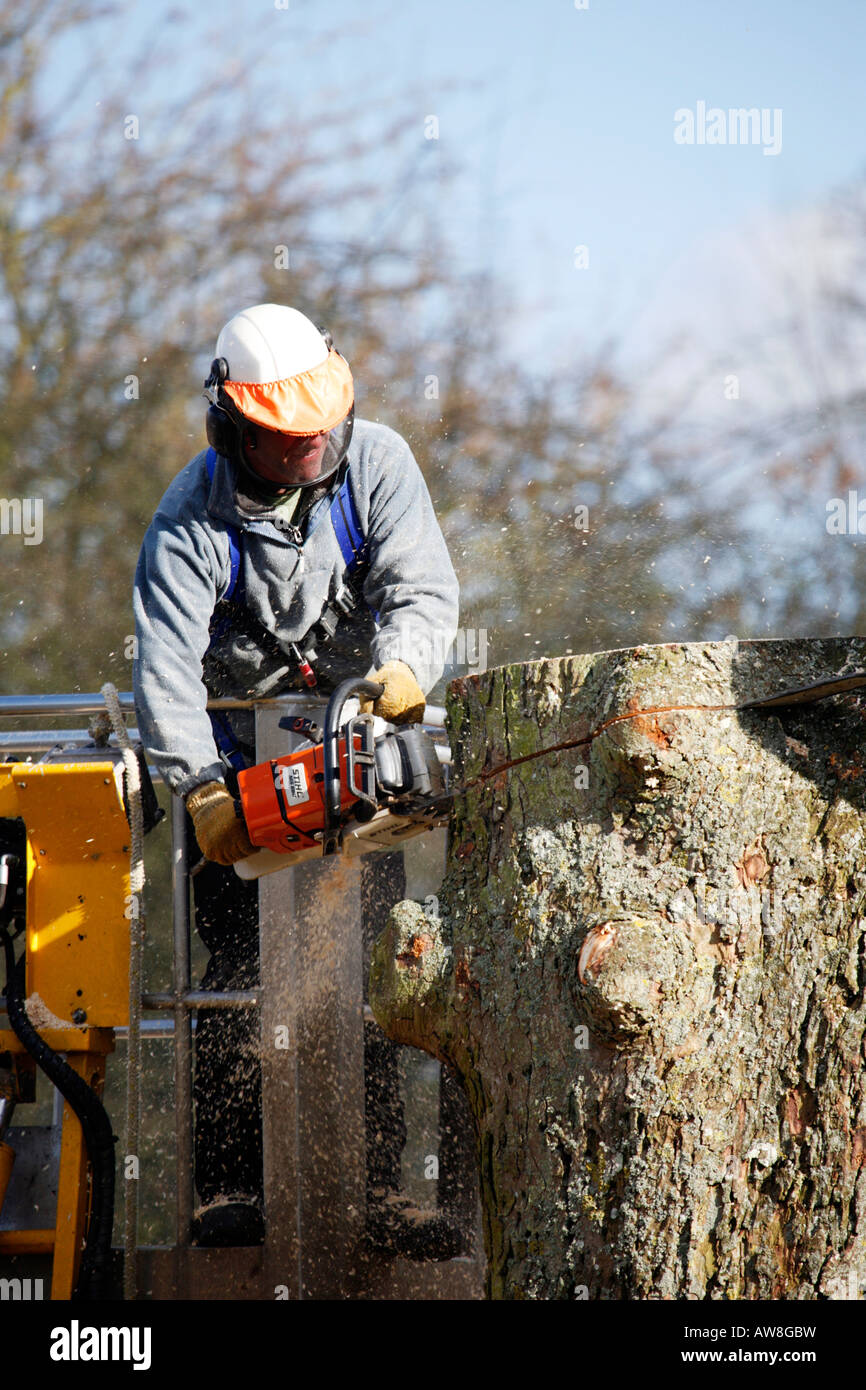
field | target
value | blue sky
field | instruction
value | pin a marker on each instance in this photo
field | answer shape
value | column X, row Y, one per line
column 561, row 121
column 565, row 127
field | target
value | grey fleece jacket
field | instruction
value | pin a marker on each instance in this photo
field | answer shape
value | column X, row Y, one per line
column 184, row 569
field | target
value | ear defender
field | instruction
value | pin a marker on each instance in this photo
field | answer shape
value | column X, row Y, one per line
column 222, row 432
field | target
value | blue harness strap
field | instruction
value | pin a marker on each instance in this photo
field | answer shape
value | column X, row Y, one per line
column 347, row 528
column 226, row 742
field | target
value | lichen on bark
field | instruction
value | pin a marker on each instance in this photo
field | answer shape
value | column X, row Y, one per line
column 648, row 971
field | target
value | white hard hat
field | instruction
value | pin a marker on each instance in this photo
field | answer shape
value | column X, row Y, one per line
column 270, row 342
column 283, row 372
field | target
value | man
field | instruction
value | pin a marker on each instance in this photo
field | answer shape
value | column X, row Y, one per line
column 300, row 549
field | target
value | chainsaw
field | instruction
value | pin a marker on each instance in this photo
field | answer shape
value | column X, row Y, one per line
column 348, row 790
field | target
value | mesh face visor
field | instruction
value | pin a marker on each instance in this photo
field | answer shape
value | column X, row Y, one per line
column 339, row 439
column 296, row 469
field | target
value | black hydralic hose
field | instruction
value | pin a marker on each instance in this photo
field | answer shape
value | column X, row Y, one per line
column 94, row 1272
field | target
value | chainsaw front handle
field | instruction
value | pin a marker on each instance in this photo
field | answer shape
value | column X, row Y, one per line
column 353, row 686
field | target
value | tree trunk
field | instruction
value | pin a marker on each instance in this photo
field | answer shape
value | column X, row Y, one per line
column 648, row 971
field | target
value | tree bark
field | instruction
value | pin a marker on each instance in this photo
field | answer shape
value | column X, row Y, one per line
column 648, row 971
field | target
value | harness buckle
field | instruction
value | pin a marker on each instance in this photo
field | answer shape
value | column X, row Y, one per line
column 345, row 600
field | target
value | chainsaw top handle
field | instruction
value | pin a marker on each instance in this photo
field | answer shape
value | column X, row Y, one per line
column 345, row 690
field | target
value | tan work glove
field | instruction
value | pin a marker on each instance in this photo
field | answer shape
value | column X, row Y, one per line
column 220, row 831
column 402, row 701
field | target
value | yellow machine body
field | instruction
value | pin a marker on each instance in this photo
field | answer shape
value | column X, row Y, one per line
column 78, row 904
column 77, row 962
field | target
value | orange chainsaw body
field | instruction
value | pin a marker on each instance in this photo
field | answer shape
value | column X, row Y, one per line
column 283, row 800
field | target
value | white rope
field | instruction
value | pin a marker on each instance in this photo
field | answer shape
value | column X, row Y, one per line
column 136, row 948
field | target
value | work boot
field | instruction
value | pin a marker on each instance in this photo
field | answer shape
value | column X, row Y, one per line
column 397, row 1226
column 233, row 1220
